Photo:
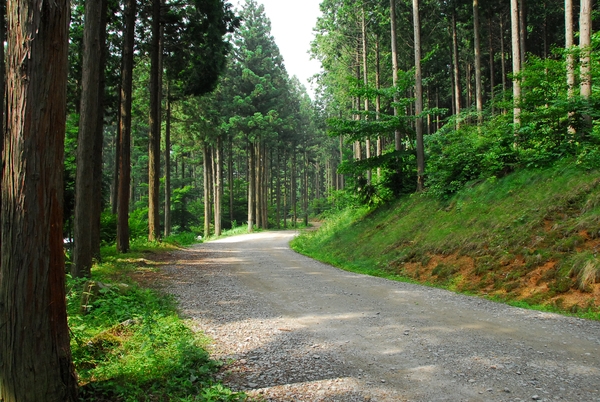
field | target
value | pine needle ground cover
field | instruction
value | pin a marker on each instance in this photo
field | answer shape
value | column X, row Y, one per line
column 128, row 342
column 530, row 239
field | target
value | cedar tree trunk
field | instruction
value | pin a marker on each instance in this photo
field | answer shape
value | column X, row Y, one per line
column 35, row 354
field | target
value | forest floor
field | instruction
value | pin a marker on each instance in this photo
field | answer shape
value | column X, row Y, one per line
column 289, row 328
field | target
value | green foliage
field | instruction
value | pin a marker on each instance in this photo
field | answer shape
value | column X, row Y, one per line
column 132, row 346
column 138, row 223
column 108, row 227
column 457, row 157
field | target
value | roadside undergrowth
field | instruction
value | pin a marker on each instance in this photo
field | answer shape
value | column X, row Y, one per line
column 128, row 341
column 529, row 239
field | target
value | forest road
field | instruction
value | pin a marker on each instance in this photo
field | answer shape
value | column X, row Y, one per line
column 293, row 329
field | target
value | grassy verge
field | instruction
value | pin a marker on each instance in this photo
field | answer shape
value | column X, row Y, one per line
column 128, row 342
column 529, row 239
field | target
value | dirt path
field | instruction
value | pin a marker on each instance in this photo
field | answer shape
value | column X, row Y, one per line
column 295, row 329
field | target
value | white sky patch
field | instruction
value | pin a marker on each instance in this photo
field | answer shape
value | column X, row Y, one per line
column 292, row 24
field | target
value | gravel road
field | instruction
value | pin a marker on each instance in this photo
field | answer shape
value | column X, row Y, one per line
column 292, row 329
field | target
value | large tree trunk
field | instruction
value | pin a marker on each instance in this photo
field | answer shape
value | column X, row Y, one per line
column 154, row 137
column 477, row 51
column 516, row 61
column 418, row 98
column 35, row 354
column 125, row 128
column 88, row 125
column 168, row 165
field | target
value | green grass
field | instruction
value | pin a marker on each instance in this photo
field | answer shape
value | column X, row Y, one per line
column 532, row 215
column 131, row 345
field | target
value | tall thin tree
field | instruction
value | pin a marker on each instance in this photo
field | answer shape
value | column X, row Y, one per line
column 395, row 68
column 569, row 48
column 477, row 51
column 125, row 127
column 516, row 61
column 456, row 70
column 418, row 98
column 154, row 137
column 585, row 35
column 88, row 125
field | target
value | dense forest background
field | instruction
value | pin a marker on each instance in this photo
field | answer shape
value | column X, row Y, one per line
column 421, row 96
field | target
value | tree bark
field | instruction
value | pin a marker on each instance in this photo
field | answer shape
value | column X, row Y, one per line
column 477, row 51
column 207, row 178
column 35, row 354
column 88, row 122
column 278, row 190
column 251, row 186
column 154, row 137
column 125, row 128
column 516, row 61
column 418, row 98
column 522, row 31
column 168, row 164
column 2, row 101
column 569, row 47
column 456, row 69
column 397, row 134
column 265, row 188
column 502, row 59
column 585, row 76
column 218, row 188
column 115, row 189
column 305, row 189
column 377, row 99
column 230, row 180
column 97, row 198
column 366, row 83
column 491, row 62
column 585, row 28
column 257, row 184
column 293, row 190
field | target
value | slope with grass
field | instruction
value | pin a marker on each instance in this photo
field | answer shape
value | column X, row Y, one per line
column 530, row 238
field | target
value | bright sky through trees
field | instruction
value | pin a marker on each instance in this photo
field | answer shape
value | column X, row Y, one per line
column 292, row 23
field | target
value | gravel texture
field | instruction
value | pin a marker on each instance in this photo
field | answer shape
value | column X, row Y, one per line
column 291, row 329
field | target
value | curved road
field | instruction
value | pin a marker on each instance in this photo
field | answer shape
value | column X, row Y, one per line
column 406, row 341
